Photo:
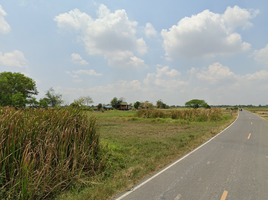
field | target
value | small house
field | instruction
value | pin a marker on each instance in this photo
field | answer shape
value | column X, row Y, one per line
column 123, row 106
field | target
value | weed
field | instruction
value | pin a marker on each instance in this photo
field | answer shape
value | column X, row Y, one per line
column 43, row 151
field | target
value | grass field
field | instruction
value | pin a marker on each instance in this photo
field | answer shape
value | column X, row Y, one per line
column 137, row 147
column 263, row 112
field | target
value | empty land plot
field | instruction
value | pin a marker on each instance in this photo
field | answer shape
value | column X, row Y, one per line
column 140, row 146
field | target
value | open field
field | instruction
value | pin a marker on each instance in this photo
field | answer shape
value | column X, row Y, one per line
column 263, row 112
column 140, row 146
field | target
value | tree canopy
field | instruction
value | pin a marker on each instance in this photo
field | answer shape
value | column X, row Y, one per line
column 116, row 102
column 196, row 103
column 137, row 104
column 16, row 89
column 52, row 98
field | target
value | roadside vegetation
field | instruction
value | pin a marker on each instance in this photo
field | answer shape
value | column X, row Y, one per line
column 45, row 151
column 50, row 151
column 261, row 111
column 140, row 146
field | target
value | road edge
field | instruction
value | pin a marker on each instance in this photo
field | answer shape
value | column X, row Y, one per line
column 140, row 184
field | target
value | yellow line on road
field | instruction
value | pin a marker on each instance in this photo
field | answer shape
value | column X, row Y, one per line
column 249, row 135
column 224, row 195
column 251, row 123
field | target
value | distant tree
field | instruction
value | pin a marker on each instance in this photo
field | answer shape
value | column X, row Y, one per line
column 115, row 102
column 43, row 103
column 33, row 102
column 16, row 89
column 196, row 103
column 88, row 100
column 52, row 98
column 160, row 104
column 99, row 106
column 137, row 104
column 147, row 105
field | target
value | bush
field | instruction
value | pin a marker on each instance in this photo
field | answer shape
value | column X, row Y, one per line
column 199, row 115
column 43, row 151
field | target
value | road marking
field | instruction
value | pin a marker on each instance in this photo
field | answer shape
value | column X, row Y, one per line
column 178, row 197
column 249, row 135
column 224, row 195
column 251, row 123
column 174, row 163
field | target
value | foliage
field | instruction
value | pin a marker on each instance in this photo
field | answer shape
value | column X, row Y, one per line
column 199, row 115
column 99, row 106
column 146, row 105
column 116, row 102
column 43, row 151
column 160, row 104
column 52, row 98
column 16, row 89
column 43, row 103
column 196, row 103
column 88, row 100
column 136, row 104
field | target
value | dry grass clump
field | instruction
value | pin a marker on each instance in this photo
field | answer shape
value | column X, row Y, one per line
column 200, row 115
column 44, row 151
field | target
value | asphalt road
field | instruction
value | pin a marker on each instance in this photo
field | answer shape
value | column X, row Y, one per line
column 233, row 165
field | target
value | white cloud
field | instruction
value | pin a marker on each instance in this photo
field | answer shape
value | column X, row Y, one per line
column 164, row 78
column 207, row 34
column 13, row 59
column 259, row 76
column 216, row 84
column 261, row 56
column 77, row 59
column 216, row 73
column 125, row 59
column 149, row 30
column 91, row 72
column 165, row 73
column 4, row 26
column 238, row 17
column 110, row 35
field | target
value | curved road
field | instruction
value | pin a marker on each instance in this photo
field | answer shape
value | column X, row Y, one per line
column 232, row 165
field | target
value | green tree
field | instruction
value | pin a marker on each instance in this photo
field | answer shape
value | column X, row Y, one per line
column 43, row 103
column 196, row 103
column 115, row 102
column 160, row 104
column 16, row 89
column 137, row 104
column 52, row 98
column 79, row 102
column 99, row 106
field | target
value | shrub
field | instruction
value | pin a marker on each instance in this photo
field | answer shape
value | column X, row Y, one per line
column 199, row 115
column 43, row 151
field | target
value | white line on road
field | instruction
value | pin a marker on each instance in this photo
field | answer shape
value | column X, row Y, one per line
column 163, row 170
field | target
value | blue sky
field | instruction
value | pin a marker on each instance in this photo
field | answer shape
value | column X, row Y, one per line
column 139, row 50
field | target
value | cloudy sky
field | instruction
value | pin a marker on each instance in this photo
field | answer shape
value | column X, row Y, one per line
column 172, row 50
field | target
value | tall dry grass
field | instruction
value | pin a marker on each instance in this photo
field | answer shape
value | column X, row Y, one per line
column 200, row 115
column 44, row 151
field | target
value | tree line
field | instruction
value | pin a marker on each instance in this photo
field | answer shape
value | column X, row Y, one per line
column 18, row 90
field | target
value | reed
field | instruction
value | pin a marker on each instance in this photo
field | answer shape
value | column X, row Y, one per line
column 44, row 151
column 199, row 115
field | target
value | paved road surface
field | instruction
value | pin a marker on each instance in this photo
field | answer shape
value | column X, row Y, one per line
column 233, row 165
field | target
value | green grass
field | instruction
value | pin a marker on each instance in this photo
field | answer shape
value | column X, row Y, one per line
column 137, row 147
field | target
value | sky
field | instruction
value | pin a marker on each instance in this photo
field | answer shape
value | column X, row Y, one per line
column 171, row 50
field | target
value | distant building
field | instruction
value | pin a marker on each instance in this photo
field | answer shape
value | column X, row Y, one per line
column 108, row 108
column 123, row 106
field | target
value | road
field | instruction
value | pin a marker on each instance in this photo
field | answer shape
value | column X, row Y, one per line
column 232, row 165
